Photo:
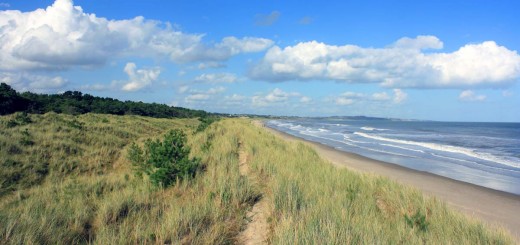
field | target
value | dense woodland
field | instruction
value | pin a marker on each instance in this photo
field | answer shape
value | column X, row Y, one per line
column 75, row 102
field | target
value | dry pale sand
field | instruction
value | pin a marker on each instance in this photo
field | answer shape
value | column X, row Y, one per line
column 490, row 206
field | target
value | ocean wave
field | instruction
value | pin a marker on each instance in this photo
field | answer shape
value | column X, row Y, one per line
column 447, row 148
column 345, row 137
column 297, row 127
column 386, row 152
column 354, row 145
column 280, row 124
column 404, row 148
column 334, row 124
column 325, row 138
column 285, row 125
column 455, row 159
column 472, row 162
column 373, row 129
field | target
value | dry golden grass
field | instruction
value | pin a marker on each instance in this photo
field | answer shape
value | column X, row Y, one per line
column 88, row 193
column 72, row 184
column 315, row 203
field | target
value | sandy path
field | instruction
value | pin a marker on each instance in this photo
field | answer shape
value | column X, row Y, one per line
column 491, row 206
column 257, row 227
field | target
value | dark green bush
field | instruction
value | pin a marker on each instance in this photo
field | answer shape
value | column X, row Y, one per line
column 26, row 139
column 205, row 122
column 417, row 220
column 164, row 161
column 23, row 118
column 20, row 119
column 11, row 123
column 75, row 124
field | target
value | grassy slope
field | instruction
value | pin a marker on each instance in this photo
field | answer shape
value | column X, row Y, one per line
column 313, row 202
column 73, row 185
column 86, row 191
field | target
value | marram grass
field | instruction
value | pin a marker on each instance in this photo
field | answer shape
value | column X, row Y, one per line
column 66, row 180
column 313, row 202
column 89, row 194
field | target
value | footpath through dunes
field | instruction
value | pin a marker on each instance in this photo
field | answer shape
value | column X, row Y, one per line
column 256, row 230
column 491, row 206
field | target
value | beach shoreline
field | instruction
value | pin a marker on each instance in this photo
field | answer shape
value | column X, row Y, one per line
column 491, row 206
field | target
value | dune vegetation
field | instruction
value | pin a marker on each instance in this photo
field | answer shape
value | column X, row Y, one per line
column 68, row 179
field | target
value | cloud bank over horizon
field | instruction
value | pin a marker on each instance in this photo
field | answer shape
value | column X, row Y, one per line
column 403, row 64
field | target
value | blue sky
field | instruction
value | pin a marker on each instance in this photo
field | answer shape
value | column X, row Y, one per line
column 437, row 60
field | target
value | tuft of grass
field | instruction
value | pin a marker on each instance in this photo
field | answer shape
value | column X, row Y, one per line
column 418, row 220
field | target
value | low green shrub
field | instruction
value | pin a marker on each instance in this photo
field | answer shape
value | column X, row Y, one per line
column 417, row 220
column 75, row 124
column 20, row 119
column 164, row 161
column 205, row 122
column 26, row 139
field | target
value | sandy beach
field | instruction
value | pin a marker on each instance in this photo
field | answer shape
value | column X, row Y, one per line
column 491, row 206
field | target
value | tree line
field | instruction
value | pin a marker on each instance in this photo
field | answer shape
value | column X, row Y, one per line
column 75, row 102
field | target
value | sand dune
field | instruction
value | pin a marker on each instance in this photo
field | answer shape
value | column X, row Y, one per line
column 491, row 206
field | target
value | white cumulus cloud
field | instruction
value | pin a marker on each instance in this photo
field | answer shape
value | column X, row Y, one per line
column 216, row 90
column 400, row 65
column 211, row 65
column 383, row 96
column 63, row 35
column 305, row 99
column 469, row 95
column 349, row 98
column 344, row 101
column 139, row 78
column 277, row 96
column 234, row 100
column 216, row 78
column 33, row 83
column 198, row 95
column 418, row 43
column 235, row 97
column 182, row 89
column 399, row 96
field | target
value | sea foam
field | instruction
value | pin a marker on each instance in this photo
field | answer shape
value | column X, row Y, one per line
column 446, row 148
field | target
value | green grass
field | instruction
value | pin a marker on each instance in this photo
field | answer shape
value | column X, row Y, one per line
column 65, row 179
column 87, row 192
column 313, row 202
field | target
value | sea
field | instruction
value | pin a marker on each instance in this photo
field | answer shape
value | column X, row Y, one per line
column 484, row 154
